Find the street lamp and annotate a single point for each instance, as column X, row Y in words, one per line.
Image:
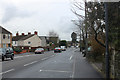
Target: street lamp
column 106, row 43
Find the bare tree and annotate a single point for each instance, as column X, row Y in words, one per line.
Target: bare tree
column 94, row 18
column 78, row 8
column 52, row 33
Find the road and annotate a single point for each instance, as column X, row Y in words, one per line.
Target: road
column 68, row 64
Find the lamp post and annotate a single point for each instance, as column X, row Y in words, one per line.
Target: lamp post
column 107, row 67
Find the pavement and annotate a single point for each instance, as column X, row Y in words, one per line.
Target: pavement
column 67, row 64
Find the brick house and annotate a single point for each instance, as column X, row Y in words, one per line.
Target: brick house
column 5, row 38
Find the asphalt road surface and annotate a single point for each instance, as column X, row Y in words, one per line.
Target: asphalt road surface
column 68, row 64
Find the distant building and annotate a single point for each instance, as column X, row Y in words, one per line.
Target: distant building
column 26, row 41
column 5, row 38
column 54, row 40
column 43, row 41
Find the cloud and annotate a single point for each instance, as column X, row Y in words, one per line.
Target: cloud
column 40, row 15
column 11, row 11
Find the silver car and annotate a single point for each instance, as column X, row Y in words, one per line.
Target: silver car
column 6, row 53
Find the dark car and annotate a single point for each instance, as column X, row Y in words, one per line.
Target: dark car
column 57, row 50
column 39, row 51
column 6, row 53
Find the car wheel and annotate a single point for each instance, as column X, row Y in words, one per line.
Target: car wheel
column 12, row 57
column 3, row 58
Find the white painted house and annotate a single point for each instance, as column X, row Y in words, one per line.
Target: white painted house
column 30, row 40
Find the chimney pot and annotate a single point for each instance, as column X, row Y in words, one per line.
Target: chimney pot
column 29, row 33
column 17, row 34
column 35, row 32
column 23, row 34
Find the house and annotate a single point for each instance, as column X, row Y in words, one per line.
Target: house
column 26, row 41
column 5, row 38
column 43, row 41
column 54, row 40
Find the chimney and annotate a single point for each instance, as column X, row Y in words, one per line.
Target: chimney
column 23, row 34
column 35, row 32
column 29, row 33
column 17, row 34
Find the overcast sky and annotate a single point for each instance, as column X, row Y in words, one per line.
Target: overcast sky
column 40, row 15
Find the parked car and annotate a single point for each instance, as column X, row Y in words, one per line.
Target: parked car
column 6, row 53
column 57, row 50
column 39, row 51
column 63, row 48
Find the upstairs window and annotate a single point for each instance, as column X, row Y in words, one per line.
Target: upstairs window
column 29, row 42
column 8, row 36
column 3, row 36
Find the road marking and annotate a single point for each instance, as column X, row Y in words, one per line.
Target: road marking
column 30, row 63
column 24, row 56
column 40, row 70
column 55, row 71
column 7, row 71
column 73, row 68
column 71, row 57
column 45, row 58
column 18, row 56
column 27, row 55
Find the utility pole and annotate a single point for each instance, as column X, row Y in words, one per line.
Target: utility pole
column 106, row 42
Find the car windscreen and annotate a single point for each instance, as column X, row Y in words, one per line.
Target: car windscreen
column 57, row 48
column 39, row 49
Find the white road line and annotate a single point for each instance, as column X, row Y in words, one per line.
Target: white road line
column 73, row 69
column 7, row 71
column 45, row 58
column 27, row 55
column 71, row 57
column 55, row 71
column 30, row 63
column 23, row 56
column 18, row 56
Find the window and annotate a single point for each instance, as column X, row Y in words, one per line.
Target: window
column 3, row 36
column 15, row 42
column 8, row 36
column 9, row 45
column 29, row 42
column 4, row 45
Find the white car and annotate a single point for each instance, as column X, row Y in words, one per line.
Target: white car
column 63, row 48
column 39, row 51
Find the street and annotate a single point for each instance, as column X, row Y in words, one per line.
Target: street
column 68, row 64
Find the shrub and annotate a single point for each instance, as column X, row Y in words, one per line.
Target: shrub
column 97, row 53
column 18, row 50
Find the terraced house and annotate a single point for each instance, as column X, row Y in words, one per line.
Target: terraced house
column 26, row 41
column 5, row 38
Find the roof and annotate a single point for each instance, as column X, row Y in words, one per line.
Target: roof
column 28, row 36
column 22, row 37
column 42, row 37
column 4, row 30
